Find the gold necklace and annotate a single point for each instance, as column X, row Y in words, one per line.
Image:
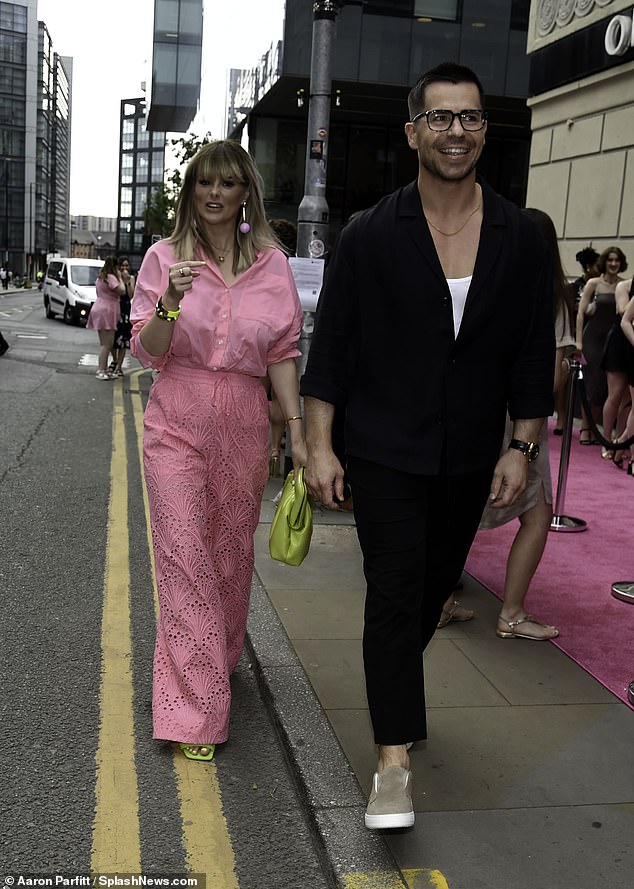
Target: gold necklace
column 222, row 256
column 458, row 230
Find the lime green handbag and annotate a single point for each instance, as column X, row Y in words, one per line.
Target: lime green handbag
column 292, row 525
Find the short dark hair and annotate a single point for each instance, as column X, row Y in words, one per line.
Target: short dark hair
column 587, row 257
column 604, row 258
column 446, row 72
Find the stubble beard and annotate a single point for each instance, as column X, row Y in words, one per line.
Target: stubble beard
column 430, row 163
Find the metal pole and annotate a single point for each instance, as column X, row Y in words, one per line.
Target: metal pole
column 313, row 213
column 561, row 522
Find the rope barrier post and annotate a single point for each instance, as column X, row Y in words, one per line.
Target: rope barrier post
column 561, row 522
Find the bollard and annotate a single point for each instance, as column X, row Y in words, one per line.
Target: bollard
column 561, row 522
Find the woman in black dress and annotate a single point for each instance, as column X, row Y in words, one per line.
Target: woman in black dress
column 595, row 319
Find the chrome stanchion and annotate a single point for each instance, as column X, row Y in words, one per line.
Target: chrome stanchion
column 561, row 522
column 623, row 590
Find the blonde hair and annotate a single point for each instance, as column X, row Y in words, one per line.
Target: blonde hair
column 222, row 159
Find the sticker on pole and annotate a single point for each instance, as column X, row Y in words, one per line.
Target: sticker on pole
column 316, row 248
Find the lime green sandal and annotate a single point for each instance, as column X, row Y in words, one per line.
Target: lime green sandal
column 188, row 751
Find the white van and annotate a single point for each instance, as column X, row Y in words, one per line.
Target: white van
column 69, row 288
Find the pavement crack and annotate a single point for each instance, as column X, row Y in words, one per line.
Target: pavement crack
column 18, row 460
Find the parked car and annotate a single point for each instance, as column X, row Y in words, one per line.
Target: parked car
column 69, row 288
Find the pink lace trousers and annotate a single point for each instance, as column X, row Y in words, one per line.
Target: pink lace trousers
column 205, row 459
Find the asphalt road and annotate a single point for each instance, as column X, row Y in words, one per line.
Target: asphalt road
column 84, row 788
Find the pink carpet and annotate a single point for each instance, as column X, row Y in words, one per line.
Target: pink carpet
column 571, row 588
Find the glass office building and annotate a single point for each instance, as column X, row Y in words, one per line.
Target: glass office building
column 35, row 115
column 176, row 61
column 141, row 169
column 380, row 51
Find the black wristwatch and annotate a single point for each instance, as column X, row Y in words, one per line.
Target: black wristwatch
column 530, row 449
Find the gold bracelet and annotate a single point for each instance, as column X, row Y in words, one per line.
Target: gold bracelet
column 288, row 419
column 165, row 314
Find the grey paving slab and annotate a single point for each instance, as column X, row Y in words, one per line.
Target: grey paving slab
column 332, row 613
column 532, row 672
column 584, row 847
column 509, row 757
column 335, row 670
column 452, row 679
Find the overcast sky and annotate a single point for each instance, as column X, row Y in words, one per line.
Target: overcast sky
column 111, row 46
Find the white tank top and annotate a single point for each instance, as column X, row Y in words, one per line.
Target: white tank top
column 459, row 288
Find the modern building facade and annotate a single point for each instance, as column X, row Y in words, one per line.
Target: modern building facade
column 35, row 116
column 582, row 103
column 176, row 63
column 141, row 170
column 380, row 50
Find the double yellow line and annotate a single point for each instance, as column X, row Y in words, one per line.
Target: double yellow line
column 116, row 844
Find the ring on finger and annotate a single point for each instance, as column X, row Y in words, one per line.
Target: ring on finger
column 181, row 272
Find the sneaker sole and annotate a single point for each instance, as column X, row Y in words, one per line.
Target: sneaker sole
column 387, row 822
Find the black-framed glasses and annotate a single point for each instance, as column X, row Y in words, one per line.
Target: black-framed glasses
column 440, row 119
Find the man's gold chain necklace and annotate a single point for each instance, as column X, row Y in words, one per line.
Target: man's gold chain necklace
column 458, row 230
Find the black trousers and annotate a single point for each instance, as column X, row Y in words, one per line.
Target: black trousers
column 415, row 533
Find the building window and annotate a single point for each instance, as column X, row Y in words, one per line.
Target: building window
column 141, row 166
column 158, row 166
column 13, row 17
column 12, row 49
column 140, row 200
column 445, row 10
column 389, row 7
column 12, row 80
column 127, row 168
column 428, row 10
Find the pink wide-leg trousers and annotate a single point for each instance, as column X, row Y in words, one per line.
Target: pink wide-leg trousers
column 205, row 459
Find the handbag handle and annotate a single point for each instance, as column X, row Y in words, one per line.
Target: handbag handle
column 296, row 516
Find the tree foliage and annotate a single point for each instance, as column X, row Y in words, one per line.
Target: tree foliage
column 159, row 211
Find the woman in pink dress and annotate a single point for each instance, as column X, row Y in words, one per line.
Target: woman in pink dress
column 215, row 309
column 105, row 312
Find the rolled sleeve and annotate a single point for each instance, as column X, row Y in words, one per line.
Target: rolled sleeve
column 151, row 284
column 286, row 346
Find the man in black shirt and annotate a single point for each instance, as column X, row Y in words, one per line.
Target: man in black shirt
column 435, row 318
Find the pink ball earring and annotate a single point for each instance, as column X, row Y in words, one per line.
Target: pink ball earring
column 245, row 228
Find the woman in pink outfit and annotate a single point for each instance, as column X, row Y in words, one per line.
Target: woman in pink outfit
column 215, row 309
column 105, row 312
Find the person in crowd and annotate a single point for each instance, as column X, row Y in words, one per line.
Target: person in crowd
column 616, row 363
column 124, row 327
column 105, row 312
column 4, row 278
column 625, row 291
column 215, row 310
column 534, row 507
column 427, row 350
column 595, row 317
column 286, row 234
column 587, row 259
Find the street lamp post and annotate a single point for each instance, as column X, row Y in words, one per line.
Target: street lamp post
column 313, row 213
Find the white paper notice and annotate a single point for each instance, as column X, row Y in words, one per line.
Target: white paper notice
column 308, row 275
